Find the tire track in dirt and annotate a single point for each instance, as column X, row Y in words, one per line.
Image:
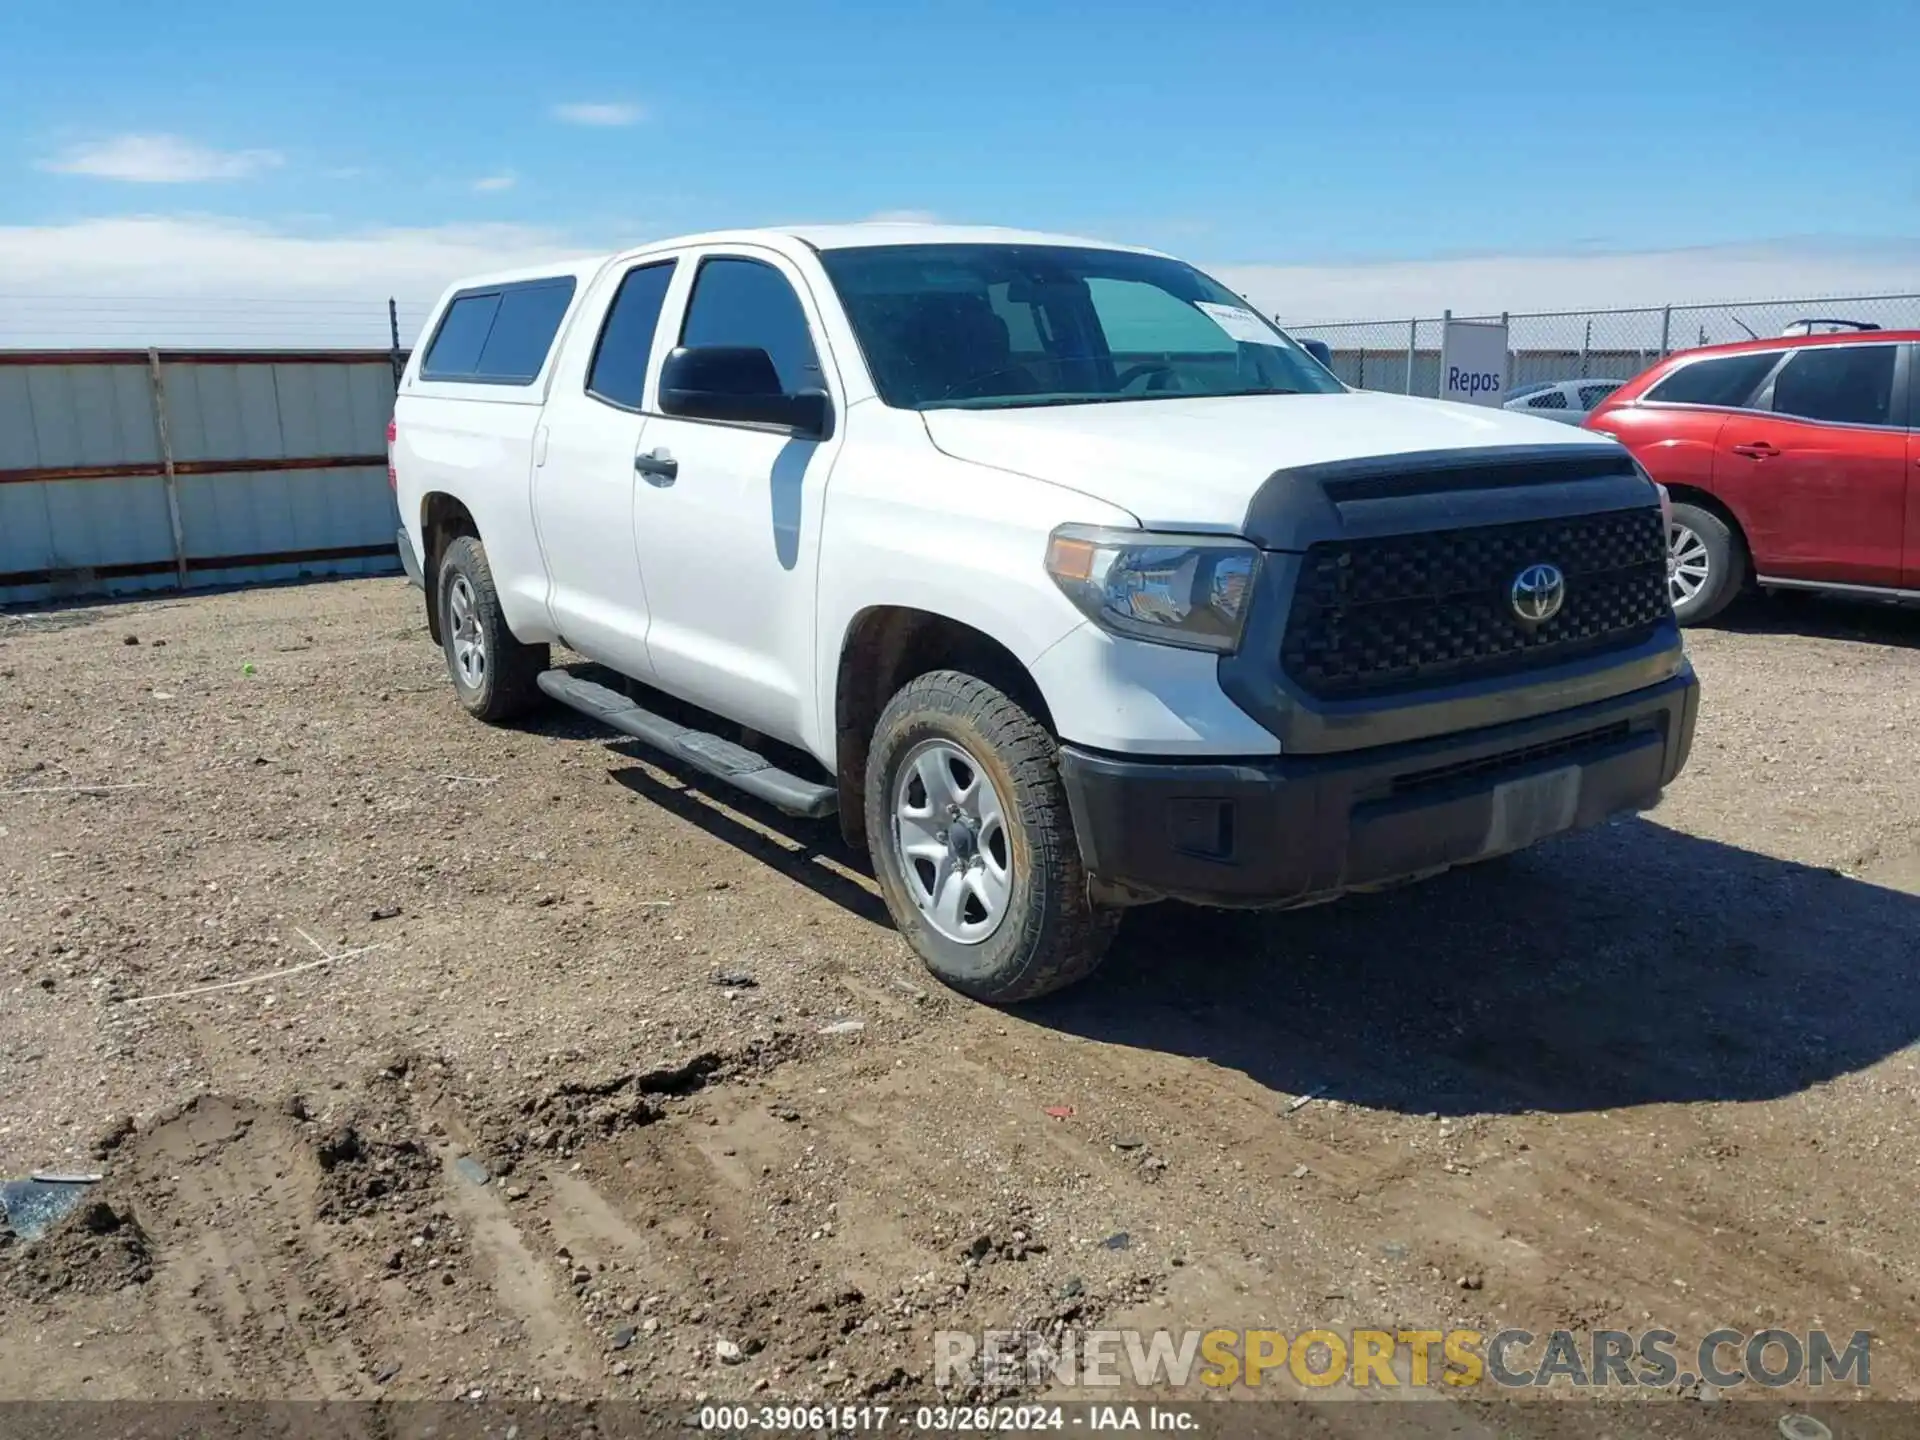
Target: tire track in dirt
column 513, row 1278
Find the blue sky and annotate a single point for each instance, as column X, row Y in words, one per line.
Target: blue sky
column 1310, row 138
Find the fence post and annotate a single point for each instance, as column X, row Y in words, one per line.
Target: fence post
column 1586, row 344
column 393, row 330
column 172, row 481
column 1666, row 329
column 1413, row 347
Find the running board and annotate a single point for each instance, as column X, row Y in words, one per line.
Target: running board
column 706, row 752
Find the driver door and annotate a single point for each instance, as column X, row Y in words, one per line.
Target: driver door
column 727, row 514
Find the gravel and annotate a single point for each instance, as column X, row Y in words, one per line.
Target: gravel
column 1679, row 1047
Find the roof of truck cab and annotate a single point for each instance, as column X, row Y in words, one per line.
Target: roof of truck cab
column 890, row 232
column 821, row 237
column 876, row 233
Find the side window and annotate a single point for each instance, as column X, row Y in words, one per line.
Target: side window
column 523, row 332
column 499, row 337
column 619, row 370
column 1844, row 384
column 455, row 350
column 1592, row 395
column 1728, row 381
column 1548, row 400
column 747, row 302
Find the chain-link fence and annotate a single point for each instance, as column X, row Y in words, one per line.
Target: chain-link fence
column 1397, row 355
column 1403, row 356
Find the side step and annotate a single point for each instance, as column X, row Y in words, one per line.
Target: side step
column 706, row 752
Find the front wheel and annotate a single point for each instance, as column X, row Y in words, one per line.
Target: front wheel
column 1706, row 564
column 973, row 843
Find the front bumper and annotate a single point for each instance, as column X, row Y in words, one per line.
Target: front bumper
column 1297, row 828
column 410, row 560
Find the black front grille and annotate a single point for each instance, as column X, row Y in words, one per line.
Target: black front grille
column 1490, row 766
column 1374, row 616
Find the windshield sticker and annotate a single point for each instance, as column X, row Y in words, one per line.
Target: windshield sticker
column 1243, row 325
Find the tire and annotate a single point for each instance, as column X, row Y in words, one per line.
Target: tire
column 495, row 676
column 1049, row 933
column 1699, row 538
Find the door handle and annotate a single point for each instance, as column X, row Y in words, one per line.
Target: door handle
column 657, row 466
column 1758, row 450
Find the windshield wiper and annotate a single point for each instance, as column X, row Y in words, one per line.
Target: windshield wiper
column 1044, row 402
column 1017, row 402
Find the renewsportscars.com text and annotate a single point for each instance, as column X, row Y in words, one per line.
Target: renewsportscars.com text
column 1415, row 1359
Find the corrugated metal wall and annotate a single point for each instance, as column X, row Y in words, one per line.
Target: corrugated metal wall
column 139, row 470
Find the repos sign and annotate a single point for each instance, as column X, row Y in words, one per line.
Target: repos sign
column 1473, row 361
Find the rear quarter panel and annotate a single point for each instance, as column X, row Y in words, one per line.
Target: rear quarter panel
column 475, row 442
column 481, row 453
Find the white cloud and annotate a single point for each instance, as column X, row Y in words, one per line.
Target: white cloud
column 159, row 160
column 1489, row 284
column 217, row 281
column 489, row 183
column 903, row 217
column 603, row 113
column 315, row 286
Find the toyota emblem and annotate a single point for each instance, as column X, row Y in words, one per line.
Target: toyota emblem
column 1537, row 594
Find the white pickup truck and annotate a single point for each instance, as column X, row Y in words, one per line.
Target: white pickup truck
column 1061, row 577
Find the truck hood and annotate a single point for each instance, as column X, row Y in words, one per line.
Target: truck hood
column 1195, row 464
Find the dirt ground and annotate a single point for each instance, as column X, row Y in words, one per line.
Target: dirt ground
column 1657, row 1074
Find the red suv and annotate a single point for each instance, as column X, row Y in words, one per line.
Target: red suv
column 1793, row 462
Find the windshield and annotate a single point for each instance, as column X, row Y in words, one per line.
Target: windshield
column 983, row 326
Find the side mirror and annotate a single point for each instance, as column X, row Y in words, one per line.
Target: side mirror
column 1319, row 350
column 738, row 383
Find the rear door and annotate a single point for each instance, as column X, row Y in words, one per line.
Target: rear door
column 584, row 481
column 1818, row 469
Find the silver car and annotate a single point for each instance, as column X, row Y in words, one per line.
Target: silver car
column 1568, row 400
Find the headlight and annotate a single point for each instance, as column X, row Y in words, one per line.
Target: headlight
column 1190, row 590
